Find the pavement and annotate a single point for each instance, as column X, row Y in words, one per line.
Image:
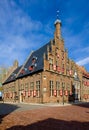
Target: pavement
column 6, row 108
column 49, row 116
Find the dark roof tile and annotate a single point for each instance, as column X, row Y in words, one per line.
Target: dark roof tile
column 13, row 75
column 34, row 63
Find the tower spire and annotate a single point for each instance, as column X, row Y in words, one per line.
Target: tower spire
column 57, row 24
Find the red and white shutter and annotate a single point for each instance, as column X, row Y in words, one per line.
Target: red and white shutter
column 62, row 70
column 88, row 83
column 58, row 56
column 55, row 92
column 11, row 94
column 58, row 69
column 22, row 71
column 54, row 67
column 24, row 93
column 70, row 92
column 85, row 96
column 34, row 93
column 70, row 72
column 66, row 92
column 30, row 68
column 85, row 83
column 29, row 93
column 88, row 96
column 61, row 93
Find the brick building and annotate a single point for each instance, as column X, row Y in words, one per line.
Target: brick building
column 48, row 75
column 5, row 73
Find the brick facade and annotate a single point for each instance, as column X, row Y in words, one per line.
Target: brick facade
column 60, row 80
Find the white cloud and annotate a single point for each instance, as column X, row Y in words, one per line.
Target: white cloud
column 16, row 33
column 19, row 34
column 83, row 61
column 77, row 43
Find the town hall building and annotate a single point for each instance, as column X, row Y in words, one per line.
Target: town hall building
column 48, row 75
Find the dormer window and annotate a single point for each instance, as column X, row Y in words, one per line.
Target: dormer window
column 34, row 58
column 13, row 74
column 31, row 68
column 25, row 69
column 22, row 71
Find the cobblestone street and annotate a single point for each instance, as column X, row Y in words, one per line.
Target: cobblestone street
column 43, row 117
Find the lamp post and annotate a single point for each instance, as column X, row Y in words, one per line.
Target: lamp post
column 63, row 86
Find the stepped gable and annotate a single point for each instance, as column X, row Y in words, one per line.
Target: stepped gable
column 13, row 75
column 34, row 63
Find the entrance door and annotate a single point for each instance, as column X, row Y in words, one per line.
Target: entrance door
column 76, row 91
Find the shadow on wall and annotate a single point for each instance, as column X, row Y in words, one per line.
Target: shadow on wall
column 5, row 109
column 53, row 124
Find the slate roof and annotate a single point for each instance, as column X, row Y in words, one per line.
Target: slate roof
column 35, row 61
column 13, row 75
column 33, row 64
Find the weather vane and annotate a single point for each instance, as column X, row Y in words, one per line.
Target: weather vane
column 57, row 14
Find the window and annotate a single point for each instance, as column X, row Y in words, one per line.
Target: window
column 56, row 51
column 50, row 61
column 63, row 68
column 37, row 85
column 33, row 60
column 31, row 88
column 26, row 89
column 22, row 87
column 68, row 87
column 37, row 88
column 57, row 63
column 31, row 68
column 62, row 55
column 13, row 88
column 50, row 67
column 57, row 87
column 67, row 67
column 63, row 86
column 51, row 88
column 50, row 64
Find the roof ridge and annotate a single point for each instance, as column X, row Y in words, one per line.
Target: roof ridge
column 41, row 49
column 12, row 74
column 42, row 46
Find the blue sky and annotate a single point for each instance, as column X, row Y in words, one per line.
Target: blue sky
column 26, row 25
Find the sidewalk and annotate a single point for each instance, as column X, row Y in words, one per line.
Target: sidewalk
column 47, row 104
column 56, row 104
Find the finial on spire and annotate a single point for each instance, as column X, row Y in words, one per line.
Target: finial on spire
column 57, row 24
column 57, row 14
column 57, row 20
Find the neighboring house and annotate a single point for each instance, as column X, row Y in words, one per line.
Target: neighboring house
column 5, row 73
column 48, row 75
